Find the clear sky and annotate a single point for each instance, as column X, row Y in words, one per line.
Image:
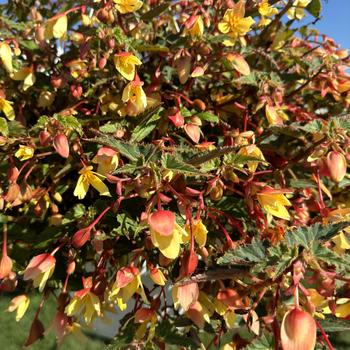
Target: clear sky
column 335, row 21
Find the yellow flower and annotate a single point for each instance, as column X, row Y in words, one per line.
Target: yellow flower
column 199, row 231
column 88, row 177
column 197, row 28
column 6, row 107
column 297, row 10
column 84, row 301
column 26, row 74
column 275, row 115
column 128, row 282
column 125, row 63
column 235, row 24
column 40, row 269
column 19, row 303
column 107, row 160
column 265, row 9
column 341, row 241
column 157, row 276
column 56, row 28
column 78, row 68
column 134, row 97
column 253, row 151
column 24, row 152
column 169, row 245
column 127, row 6
column 274, row 202
column 6, row 56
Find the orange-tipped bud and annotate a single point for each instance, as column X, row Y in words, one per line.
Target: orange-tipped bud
column 298, row 330
column 336, row 164
column 60, row 142
column 81, row 237
column 5, row 266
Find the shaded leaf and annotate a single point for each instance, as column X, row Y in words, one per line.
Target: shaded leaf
column 173, row 163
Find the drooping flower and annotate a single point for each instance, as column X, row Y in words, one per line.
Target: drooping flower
column 40, row 269
column 195, row 27
column 56, row 28
column 297, row 9
column 107, row 160
column 127, row 283
column 274, row 202
column 336, row 165
column 84, row 302
column 125, row 63
column 127, row 6
column 298, row 330
column 275, row 115
column 166, row 234
column 134, row 97
column 239, row 63
column 25, row 74
column 199, row 231
column 235, row 24
column 88, row 177
column 24, row 152
column 6, row 108
column 185, row 295
column 157, row 276
column 19, row 303
column 252, row 151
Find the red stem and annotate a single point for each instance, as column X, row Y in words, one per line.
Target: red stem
column 4, row 243
column 324, row 336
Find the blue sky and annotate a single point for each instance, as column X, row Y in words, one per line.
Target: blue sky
column 335, row 21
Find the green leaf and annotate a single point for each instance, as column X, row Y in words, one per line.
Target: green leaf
column 132, row 152
column 144, row 129
column 265, row 342
column 333, row 324
column 251, row 253
column 209, row 117
column 240, row 159
column 4, row 129
column 305, row 236
column 155, row 11
column 70, row 122
column 173, row 163
column 302, row 183
column 314, row 8
column 216, row 153
column 341, row 262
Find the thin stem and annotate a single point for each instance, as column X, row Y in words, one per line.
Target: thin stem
column 324, row 336
column 4, row 243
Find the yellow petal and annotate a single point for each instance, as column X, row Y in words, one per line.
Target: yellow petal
column 230, row 319
column 82, row 187
column 343, row 310
column 41, row 279
column 60, row 27
column 73, row 308
column 98, row 185
column 6, row 107
column 6, row 56
column 168, row 245
column 22, row 308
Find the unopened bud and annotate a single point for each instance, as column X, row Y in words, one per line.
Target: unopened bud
column 298, row 330
column 336, row 164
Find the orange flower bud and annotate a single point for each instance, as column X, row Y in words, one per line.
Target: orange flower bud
column 61, row 145
column 298, row 330
column 5, row 266
column 336, row 164
column 81, row 237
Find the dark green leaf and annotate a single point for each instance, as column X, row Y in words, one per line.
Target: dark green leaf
column 144, row 129
column 173, row 163
column 155, row 11
column 265, row 342
column 314, row 8
column 250, row 253
column 331, row 325
column 209, row 117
